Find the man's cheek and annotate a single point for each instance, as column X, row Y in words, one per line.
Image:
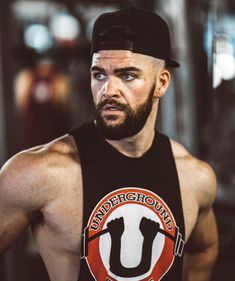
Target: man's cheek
column 96, row 94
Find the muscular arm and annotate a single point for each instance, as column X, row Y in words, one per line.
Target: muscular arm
column 202, row 246
column 45, row 181
column 20, row 199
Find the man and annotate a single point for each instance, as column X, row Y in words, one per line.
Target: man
column 137, row 197
column 42, row 97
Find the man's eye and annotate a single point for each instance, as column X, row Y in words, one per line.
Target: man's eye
column 99, row 76
column 127, row 76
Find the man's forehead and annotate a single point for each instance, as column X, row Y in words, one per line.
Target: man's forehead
column 120, row 57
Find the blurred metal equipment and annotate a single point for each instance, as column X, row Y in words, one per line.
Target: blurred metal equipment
column 6, row 99
column 222, row 151
column 3, row 140
column 183, row 114
column 8, row 130
column 3, row 153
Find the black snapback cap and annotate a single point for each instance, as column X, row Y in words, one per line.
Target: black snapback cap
column 133, row 29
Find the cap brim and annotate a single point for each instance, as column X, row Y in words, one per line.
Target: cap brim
column 172, row 63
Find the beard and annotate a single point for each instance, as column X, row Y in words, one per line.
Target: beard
column 132, row 122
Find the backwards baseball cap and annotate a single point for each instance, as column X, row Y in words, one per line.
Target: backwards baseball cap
column 135, row 30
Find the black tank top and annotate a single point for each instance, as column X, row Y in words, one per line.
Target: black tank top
column 133, row 226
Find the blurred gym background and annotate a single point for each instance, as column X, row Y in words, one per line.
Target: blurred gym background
column 45, row 92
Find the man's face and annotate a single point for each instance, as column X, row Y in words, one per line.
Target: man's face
column 123, row 86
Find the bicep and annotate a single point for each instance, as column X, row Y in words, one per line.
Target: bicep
column 202, row 245
column 204, row 235
column 15, row 206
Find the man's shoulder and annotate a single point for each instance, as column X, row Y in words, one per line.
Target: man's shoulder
column 184, row 159
column 56, row 153
column 41, row 169
column 195, row 175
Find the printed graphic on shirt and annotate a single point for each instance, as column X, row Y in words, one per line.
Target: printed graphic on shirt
column 131, row 236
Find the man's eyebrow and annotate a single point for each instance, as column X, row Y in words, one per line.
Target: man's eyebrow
column 124, row 69
column 118, row 70
column 97, row 68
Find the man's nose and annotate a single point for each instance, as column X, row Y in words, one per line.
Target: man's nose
column 111, row 87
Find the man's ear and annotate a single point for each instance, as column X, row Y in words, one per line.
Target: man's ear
column 162, row 82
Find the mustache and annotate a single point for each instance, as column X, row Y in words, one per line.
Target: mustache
column 111, row 102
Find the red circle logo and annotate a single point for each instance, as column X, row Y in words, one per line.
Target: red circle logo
column 130, row 236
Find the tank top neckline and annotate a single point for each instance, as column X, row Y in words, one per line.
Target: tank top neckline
column 111, row 149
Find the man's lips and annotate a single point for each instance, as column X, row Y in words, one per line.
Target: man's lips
column 112, row 107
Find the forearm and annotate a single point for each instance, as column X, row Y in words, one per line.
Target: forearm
column 198, row 266
column 9, row 235
column 12, row 225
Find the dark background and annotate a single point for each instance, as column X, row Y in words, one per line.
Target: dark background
column 197, row 111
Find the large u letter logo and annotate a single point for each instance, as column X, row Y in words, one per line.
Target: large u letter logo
column 149, row 230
